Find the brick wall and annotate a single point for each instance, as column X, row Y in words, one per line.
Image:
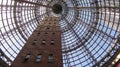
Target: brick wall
column 45, row 40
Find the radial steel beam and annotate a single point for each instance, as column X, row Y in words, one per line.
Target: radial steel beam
column 107, row 16
column 3, row 55
column 109, row 56
column 39, row 4
column 91, row 7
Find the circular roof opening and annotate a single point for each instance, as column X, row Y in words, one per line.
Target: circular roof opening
column 57, row 9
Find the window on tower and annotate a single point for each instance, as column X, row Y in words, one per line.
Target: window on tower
column 43, row 42
column 34, row 42
column 50, row 58
column 53, row 33
column 27, row 57
column 46, row 32
column 48, row 28
column 38, row 58
column 39, row 33
column 52, row 42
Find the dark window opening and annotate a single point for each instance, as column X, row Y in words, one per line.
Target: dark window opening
column 48, row 28
column 52, row 42
column 38, row 58
column 46, row 32
column 50, row 58
column 43, row 42
column 34, row 42
column 27, row 57
column 38, row 33
column 53, row 33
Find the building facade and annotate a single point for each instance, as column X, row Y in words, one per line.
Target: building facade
column 43, row 48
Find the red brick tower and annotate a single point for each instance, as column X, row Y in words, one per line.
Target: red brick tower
column 43, row 48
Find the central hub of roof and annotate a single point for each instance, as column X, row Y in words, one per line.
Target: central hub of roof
column 57, row 8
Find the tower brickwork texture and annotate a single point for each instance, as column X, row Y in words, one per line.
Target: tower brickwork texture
column 43, row 48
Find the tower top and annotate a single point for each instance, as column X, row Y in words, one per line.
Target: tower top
column 51, row 18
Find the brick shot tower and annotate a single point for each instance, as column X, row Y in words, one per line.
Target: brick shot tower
column 43, row 48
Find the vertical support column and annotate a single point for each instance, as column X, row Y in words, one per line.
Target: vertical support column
column 43, row 48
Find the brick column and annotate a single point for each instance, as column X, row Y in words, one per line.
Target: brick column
column 43, row 48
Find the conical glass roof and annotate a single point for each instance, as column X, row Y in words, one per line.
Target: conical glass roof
column 90, row 28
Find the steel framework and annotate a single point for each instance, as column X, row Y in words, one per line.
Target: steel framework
column 90, row 29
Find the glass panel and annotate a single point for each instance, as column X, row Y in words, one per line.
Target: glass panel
column 50, row 58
